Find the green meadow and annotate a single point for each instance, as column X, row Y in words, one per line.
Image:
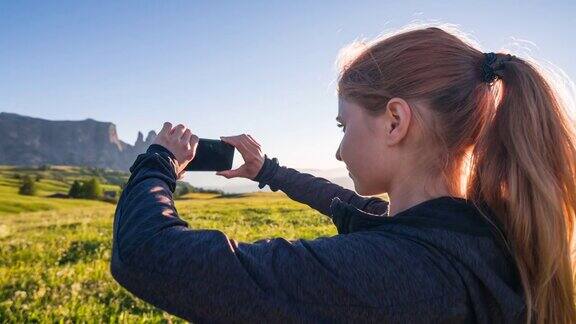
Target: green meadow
column 54, row 252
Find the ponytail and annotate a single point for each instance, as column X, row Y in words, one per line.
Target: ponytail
column 524, row 167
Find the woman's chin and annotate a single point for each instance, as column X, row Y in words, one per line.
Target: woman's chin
column 362, row 191
column 357, row 187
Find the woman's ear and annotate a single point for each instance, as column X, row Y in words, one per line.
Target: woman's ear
column 397, row 119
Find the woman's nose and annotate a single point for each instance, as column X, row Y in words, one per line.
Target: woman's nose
column 338, row 157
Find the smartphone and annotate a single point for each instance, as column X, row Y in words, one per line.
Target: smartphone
column 212, row 155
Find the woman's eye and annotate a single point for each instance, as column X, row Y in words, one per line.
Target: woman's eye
column 341, row 126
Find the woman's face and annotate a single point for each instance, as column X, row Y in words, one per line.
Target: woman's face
column 371, row 146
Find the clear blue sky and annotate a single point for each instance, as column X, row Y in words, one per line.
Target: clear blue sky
column 264, row 68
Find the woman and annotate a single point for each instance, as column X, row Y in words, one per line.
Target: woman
column 478, row 156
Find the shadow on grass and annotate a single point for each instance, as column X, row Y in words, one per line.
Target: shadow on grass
column 82, row 250
column 233, row 195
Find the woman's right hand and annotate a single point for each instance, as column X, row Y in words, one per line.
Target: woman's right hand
column 251, row 153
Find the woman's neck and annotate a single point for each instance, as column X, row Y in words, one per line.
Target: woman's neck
column 406, row 196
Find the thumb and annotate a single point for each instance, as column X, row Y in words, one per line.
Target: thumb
column 228, row 173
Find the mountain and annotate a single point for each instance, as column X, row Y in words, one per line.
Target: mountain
column 34, row 141
column 250, row 186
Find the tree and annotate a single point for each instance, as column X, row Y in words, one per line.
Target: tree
column 28, row 186
column 75, row 189
column 44, row 167
column 182, row 188
column 92, row 189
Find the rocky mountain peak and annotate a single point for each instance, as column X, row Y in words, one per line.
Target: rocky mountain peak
column 28, row 140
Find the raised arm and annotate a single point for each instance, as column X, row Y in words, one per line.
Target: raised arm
column 203, row 276
column 313, row 191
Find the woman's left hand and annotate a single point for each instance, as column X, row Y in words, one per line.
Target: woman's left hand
column 181, row 142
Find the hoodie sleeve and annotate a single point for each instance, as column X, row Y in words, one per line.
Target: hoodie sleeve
column 313, row 191
column 196, row 274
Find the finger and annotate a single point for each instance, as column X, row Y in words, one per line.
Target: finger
column 165, row 128
column 250, row 145
column 241, row 142
column 250, row 142
column 246, row 148
column 178, row 131
column 186, row 136
column 243, row 148
column 194, row 140
column 253, row 140
column 228, row 173
column 230, row 139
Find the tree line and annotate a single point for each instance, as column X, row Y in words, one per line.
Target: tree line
column 92, row 188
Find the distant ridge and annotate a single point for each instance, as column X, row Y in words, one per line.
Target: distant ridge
column 31, row 141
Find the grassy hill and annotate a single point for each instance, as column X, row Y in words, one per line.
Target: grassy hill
column 54, row 253
column 54, row 179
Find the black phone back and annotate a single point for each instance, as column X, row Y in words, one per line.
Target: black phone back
column 212, row 155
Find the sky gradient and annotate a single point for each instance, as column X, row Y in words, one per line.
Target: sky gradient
column 263, row 68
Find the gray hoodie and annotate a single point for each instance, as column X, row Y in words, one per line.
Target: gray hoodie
column 439, row 261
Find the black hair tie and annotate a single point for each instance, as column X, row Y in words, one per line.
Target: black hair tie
column 492, row 66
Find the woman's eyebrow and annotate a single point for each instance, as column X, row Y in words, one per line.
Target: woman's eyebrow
column 337, row 118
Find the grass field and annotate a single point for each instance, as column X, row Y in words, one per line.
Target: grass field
column 57, row 179
column 54, row 253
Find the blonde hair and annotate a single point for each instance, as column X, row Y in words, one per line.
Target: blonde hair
column 510, row 145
